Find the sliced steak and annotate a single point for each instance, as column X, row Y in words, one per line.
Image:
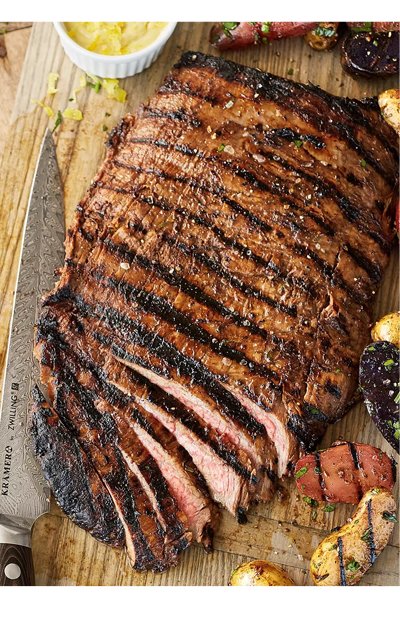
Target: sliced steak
column 137, row 436
column 227, row 252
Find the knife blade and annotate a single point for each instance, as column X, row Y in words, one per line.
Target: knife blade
column 24, row 495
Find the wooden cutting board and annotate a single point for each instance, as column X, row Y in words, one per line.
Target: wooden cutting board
column 286, row 531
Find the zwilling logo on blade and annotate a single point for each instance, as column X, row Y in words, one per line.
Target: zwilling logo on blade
column 8, row 449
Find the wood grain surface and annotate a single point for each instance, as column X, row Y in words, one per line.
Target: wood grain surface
column 286, row 531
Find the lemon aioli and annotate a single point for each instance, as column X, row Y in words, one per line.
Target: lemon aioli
column 114, row 38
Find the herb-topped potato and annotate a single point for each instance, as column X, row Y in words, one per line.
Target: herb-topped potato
column 387, row 329
column 342, row 558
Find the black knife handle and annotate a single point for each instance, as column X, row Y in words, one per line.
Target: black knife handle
column 16, row 564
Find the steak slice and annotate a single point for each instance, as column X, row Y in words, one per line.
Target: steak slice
column 227, row 252
column 77, row 487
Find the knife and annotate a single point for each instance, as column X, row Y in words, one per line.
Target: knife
column 24, row 495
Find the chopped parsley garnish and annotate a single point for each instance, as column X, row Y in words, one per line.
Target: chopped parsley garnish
column 228, row 27
column 375, row 491
column 397, row 398
column 329, row 508
column 265, row 27
column 290, row 71
column 301, row 472
column 366, row 536
column 298, row 143
column 58, row 121
column 107, row 115
column 389, row 516
column 366, row 26
column 221, row 148
column 310, row 501
column 389, row 364
column 352, row 566
column 363, row 163
column 96, row 86
column 105, row 127
column 324, row 32
column 371, row 348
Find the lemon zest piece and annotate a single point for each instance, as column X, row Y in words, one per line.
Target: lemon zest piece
column 72, row 114
column 46, row 108
column 52, row 83
column 113, row 90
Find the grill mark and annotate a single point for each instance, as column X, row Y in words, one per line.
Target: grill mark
column 355, row 114
column 279, row 91
column 354, row 455
column 289, row 134
column 329, row 272
column 371, row 536
column 234, row 281
column 244, row 250
column 332, row 389
column 326, row 190
column 342, row 570
column 162, row 308
column 179, row 115
column 156, row 344
column 238, row 208
column 318, row 471
column 198, row 294
column 227, row 455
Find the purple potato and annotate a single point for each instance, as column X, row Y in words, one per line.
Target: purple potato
column 379, row 382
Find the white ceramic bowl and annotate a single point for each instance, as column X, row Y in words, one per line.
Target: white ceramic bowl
column 113, row 66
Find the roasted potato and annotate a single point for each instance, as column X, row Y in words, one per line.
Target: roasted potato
column 343, row 557
column 259, row 573
column 379, row 383
column 343, row 472
column 387, row 329
column 389, row 102
column 323, row 37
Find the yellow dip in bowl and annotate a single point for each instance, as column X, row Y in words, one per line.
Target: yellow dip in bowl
column 114, row 38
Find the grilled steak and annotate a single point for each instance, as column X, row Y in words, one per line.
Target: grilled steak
column 215, row 297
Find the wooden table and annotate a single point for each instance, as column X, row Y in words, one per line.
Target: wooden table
column 285, row 531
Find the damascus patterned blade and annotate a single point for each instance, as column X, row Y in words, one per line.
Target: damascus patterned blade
column 23, row 492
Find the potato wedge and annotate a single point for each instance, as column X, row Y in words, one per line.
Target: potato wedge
column 387, row 329
column 389, row 103
column 343, row 557
column 259, row 573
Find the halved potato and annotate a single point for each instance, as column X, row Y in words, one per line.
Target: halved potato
column 387, row 329
column 342, row 558
column 259, row 573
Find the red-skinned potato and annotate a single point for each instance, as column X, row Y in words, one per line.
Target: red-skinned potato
column 259, row 573
column 236, row 35
column 343, row 472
